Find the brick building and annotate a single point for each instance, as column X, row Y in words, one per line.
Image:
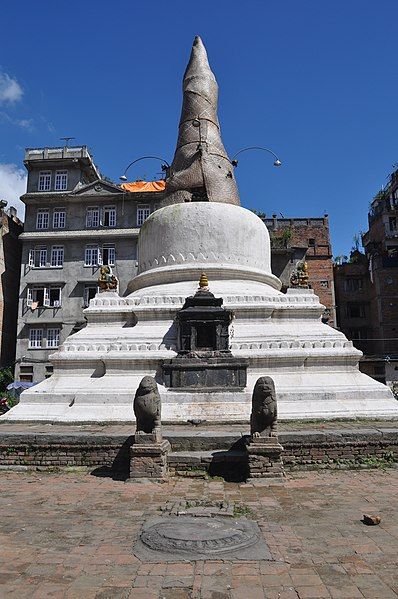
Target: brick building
column 10, row 264
column 354, row 294
column 367, row 289
column 296, row 239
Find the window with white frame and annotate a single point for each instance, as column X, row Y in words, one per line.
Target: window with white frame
column 92, row 255
column 35, row 338
column 92, row 217
column 42, row 218
column 109, row 216
column 53, row 337
column 61, row 180
column 38, row 257
column 44, row 181
column 142, row 214
column 108, row 254
column 57, row 256
column 89, row 294
column 41, row 296
column 59, row 218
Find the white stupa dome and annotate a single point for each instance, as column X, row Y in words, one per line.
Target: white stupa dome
column 178, row 242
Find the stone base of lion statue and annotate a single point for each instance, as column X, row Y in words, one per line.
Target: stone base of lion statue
column 148, row 454
column 264, row 458
column 148, row 459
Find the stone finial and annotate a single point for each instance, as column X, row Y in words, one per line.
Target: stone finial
column 107, row 280
column 203, row 282
column 201, row 169
column 264, row 409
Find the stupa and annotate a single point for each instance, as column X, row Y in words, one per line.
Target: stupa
column 202, row 228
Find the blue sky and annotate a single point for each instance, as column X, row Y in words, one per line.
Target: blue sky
column 314, row 80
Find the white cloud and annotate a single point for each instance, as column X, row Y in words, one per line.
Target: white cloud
column 10, row 90
column 12, row 186
column 26, row 124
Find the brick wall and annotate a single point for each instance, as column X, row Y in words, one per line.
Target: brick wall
column 295, row 239
column 303, row 450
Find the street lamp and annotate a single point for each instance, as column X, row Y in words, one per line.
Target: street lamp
column 234, row 162
column 165, row 165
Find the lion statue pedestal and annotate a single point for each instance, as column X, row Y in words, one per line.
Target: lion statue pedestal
column 263, row 449
column 148, row 454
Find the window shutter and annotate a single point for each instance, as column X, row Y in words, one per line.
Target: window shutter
column 29, row 297
column 99, row 257
column 31, row 260
column 46, row 301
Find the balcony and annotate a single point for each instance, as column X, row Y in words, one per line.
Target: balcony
column 56, row 153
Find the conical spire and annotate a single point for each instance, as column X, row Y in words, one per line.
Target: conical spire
column 201, row 170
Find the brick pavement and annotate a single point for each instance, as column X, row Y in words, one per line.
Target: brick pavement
column 71, row 535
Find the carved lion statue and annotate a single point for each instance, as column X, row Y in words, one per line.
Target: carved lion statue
column 264, row 412
column 147, row 406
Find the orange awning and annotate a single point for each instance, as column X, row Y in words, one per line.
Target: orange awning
column 142, row 186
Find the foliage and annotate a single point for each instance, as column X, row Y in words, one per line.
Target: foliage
column 6, row 377
column 281, row 240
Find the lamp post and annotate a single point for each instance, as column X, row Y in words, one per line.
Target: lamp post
column 165, row 165
column 277, row 162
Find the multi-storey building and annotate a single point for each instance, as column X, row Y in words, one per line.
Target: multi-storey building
column 367, row 289
column 10, row 266
column 75, row 222
column 353, row 301
column 294, row 240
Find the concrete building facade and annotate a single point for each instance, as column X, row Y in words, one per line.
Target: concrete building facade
column 10, row 265
column 75, row 222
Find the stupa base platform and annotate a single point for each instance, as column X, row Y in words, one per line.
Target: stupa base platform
column 305, row 396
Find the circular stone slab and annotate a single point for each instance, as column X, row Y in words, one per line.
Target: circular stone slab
column 189, row 535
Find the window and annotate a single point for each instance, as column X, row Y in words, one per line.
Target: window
column 91, row 255
column 108, row 255
column 42, row 219
column 59, row 218
column 311, row 242
column 356, row 310
column 324, row 284
column 38, row 257
column 57, row 256
column 89, row 294
column 53, row 337
column 109, row 218
column 353, row 285
column 392, row 223
column 49, row 297
column 35, row 338
column 61, row 180
column 92, row 217
column 44, row 181
column 26, row 374
column 142, row 214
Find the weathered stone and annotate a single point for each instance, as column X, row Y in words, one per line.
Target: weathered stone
column 173, row 538
column 147, row 407
column 264, row 409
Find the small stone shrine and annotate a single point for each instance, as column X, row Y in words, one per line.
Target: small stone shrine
column 204, row 360
column 263, row 449
column 148, row 454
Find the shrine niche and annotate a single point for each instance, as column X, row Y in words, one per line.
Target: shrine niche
column 204, row 359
